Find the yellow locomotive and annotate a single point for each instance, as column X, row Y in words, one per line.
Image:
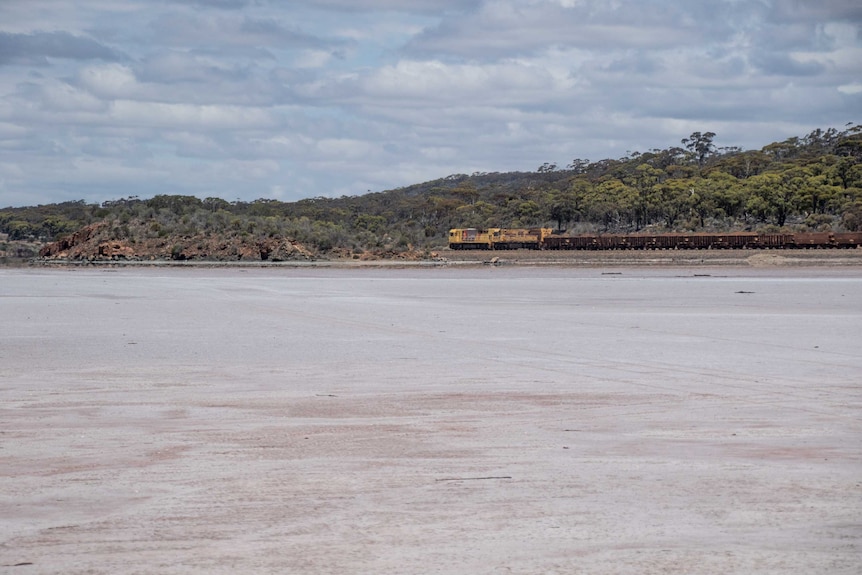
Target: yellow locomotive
column 472, row 238
column 498, row 238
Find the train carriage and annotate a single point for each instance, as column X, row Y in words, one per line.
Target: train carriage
column 544, row 238
column 774, row 241
column 847, row 239
column 736, row 241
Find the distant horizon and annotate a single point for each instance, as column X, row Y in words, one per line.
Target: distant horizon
column 246, row 100
column 474, row 174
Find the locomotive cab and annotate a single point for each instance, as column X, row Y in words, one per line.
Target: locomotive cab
column 472, row 238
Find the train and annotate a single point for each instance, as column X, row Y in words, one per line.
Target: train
column 549, row 239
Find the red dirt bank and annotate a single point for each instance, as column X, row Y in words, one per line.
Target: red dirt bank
column 96, row 243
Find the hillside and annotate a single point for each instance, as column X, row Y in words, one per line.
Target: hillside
column 805, row 183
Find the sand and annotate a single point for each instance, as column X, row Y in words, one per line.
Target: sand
column 487, row 420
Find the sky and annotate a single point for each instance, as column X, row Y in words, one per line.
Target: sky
column 249, row 99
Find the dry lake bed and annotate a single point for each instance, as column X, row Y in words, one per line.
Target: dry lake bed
column 481, row 420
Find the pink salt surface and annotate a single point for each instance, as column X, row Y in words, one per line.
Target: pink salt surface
column 492, row 420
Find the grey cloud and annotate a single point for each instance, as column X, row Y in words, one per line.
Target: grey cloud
column 274, row 33
column 338, row 95
column 35, row 49
column 191, row 78
column 180, row 29
column 636, row 64
column 781, row 64
column 223, row 4
column 812, row 36
column 702, row 105
column 822, row 11
column 513, row 30
column 408, row 6
column 180, row 66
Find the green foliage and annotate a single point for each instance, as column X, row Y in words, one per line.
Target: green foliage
column 44, row 223
column 700, row 146
column 564, row 208
column 810, row 182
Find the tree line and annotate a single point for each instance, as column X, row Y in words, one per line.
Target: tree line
column 804, row 183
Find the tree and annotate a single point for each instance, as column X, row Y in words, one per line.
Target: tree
column 467, row 191
column 611, row 202
column 847, row 171
column 772, row 196
column 216, row 204
column 816, row 193
column 700, row 145
column 852, row 216
column 744, row 164
column 703, row 200
column 723, row 192
column 673, row 199
column 788, row 149
column 563, row 209
column 578, row 166
column 528, row 211
column 643, row 179
column 478, row 215
column 19, row 230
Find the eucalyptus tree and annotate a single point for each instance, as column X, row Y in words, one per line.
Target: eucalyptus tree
column 700, row 145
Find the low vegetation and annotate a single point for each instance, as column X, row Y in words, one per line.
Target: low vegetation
column 801, row 184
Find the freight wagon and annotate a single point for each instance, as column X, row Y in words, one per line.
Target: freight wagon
column 544, row 239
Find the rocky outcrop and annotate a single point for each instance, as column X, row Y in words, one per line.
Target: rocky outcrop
column 104, row 242
column 278, row 250
column 115, row 250
column 94, row 243
column 69, row 245
column 240, row 249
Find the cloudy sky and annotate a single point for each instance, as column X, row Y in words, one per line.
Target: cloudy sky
column 247, row 99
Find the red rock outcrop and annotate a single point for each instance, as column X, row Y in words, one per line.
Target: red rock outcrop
column 62, row 247
column 95, row 243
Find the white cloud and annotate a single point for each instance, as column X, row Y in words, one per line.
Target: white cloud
column 313, row 59
column 240, row 170
column 344, row 149
column 58, row 98
column 194, row 144
column 850, row 89
column 109, row 82
column 188, row 116
column 247, row 99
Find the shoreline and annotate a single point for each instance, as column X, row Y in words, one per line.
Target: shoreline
column 529, row 258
